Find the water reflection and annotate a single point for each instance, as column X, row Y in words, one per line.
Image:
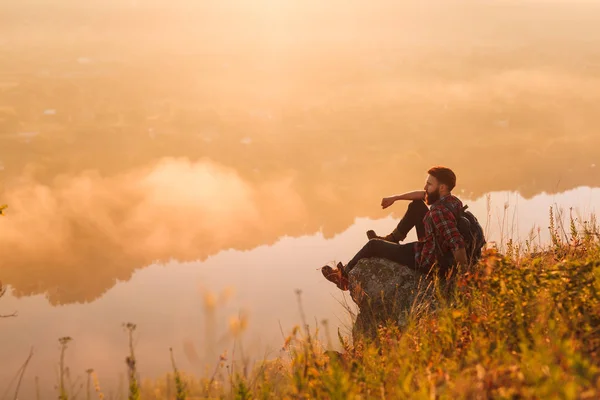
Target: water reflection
column 75, row 238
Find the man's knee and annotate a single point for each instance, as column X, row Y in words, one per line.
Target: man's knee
column 373, row 246
column 372, row 243
column 418, row 205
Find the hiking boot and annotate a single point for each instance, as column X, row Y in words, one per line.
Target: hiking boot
column 388, row 238
column 336, row 276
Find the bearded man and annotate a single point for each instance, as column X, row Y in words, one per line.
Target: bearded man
column 439, row 241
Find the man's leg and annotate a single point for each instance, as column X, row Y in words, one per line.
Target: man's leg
column 412, row 218
column 400, row 253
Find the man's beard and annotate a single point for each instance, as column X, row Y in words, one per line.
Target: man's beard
column 431, row 198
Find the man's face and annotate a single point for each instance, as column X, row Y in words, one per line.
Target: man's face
column 432, row 190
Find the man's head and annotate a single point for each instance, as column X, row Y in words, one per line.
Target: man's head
column 440, row 182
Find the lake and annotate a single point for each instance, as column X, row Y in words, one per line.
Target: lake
column 187, row 168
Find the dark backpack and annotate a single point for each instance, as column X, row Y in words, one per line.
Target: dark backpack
column 472, row 233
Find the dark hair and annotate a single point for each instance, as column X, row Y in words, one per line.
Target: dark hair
column 444, row 175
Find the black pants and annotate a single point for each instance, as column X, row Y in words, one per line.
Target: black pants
column 401, row 253
column 412, row 218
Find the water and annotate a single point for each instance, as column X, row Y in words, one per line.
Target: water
column 196, row 164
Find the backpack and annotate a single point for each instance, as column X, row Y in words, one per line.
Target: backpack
column 472, row 232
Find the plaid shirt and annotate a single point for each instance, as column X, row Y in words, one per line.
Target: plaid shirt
column 440, row 223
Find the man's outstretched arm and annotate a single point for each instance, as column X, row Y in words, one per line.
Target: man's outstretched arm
column 416, row 195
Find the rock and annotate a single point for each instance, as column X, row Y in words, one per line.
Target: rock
column 384, row 290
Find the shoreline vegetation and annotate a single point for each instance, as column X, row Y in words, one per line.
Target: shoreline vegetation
column 523, row 324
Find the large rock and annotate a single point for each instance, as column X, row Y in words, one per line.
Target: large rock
column 384, row 290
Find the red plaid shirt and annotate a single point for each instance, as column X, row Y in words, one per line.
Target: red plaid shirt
column 441, row 222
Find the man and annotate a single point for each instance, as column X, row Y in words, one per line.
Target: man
column 440, row 243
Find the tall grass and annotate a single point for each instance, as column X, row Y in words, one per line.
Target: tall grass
column 179, row 384
column 62, row 389
column 134, row 389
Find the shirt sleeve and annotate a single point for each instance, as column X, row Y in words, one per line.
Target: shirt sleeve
column 446, row 226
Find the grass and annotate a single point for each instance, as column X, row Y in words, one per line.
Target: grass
column 505, row 329
column 524, row 324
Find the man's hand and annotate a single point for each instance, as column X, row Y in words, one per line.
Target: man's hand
column 387, row 201
column 460, row 256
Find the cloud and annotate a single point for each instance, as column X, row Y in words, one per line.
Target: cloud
column 96, row 229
